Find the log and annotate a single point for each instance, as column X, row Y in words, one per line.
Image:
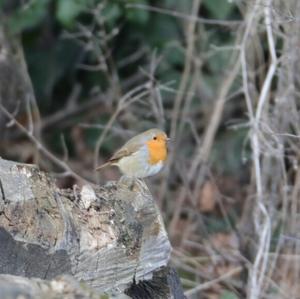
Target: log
column 89, row 240
column 64, row 287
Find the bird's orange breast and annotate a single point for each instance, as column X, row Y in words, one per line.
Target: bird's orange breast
column 157, row 151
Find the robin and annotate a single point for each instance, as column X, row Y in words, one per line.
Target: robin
column 142, row 156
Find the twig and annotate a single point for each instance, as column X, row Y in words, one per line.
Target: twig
column 115, row 130
column 211, row 283
column 64, row 147
column 190, row 36
column 67, row 112
column 190, row 18
column 263, row 229
column 123, row 103
column 42, row 148
column 186, row 71
column 29, row 115
column 210, row 132
column 204, row 150
column 271, row 72
column 258, row 274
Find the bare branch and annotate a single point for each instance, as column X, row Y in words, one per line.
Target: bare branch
column 42, row 148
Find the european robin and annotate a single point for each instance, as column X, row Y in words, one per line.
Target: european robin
column 142, row 156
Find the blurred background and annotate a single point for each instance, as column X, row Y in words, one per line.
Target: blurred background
column 78, row 78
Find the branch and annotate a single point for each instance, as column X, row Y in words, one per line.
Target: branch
column 42, row 148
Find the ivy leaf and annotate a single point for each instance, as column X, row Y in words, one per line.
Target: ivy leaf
column 138, row 16
column 68, row 10
column 219, row 9
column 111, row 13
column 28, row 16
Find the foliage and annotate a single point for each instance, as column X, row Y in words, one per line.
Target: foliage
column 53, row 60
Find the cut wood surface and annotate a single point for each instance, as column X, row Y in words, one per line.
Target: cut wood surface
column 111, row 239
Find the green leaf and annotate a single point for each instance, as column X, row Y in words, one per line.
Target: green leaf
column 136, row 15
column 161, row 31
column 111, row 13
column 175, row 57
column 219, row 9
column 229, row 150
column 49, row 66
column 228, row 295
column 219, row 61
column 68, row 10
column 28, row 16
column 2, row 2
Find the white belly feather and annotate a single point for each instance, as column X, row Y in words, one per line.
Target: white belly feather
column 137, row 165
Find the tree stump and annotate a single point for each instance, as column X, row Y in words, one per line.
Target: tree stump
column 88, row 241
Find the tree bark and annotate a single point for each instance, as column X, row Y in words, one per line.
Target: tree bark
column 111, row 239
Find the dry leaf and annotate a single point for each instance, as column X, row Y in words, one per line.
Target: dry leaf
column 208, row 197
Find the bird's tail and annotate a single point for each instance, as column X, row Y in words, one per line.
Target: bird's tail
column 103, row 165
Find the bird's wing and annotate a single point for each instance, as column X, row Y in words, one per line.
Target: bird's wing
column 124, row 151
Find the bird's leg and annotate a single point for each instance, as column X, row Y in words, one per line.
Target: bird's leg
column 127, row 181
column 140, row 183
column 132, row 182
column 137, row 183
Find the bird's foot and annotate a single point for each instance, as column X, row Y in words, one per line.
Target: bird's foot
column 132, row 183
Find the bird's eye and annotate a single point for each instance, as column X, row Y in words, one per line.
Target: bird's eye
column 154, row 138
